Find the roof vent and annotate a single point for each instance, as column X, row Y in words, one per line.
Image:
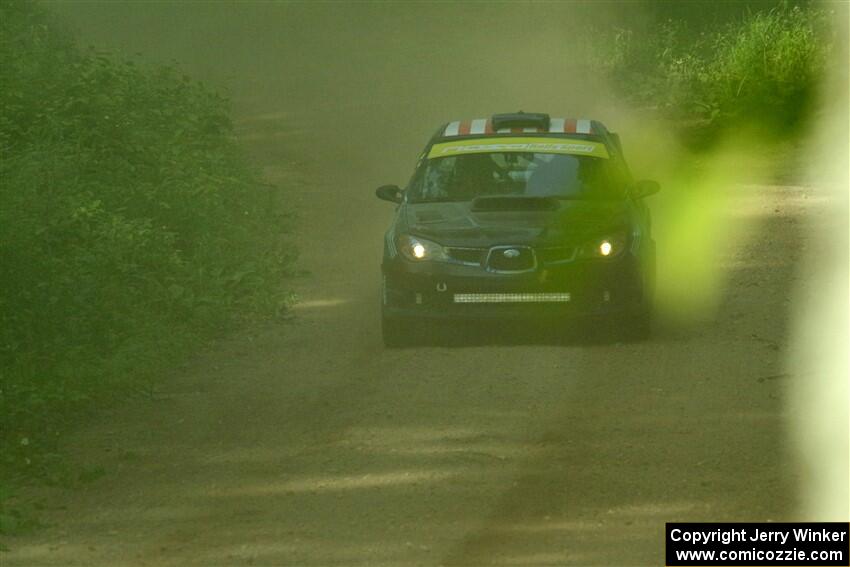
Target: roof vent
column 521, row 120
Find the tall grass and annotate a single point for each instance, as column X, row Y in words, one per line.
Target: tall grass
column 130, row 227
column 760, row 71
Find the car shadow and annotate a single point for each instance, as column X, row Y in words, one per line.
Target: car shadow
column 465, row 334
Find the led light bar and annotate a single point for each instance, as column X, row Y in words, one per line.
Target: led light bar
column 511, row 297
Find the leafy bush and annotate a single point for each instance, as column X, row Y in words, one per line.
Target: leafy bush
column 130, row 225
column 758, row 71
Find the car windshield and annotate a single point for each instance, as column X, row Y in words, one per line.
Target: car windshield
column 465, row 177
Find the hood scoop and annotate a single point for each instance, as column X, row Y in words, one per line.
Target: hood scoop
column 514, row 203
column 429, row 216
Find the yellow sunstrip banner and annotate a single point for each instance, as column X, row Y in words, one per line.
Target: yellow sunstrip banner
column 522, row 145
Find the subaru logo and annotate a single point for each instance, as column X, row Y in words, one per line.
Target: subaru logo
column 511, row 253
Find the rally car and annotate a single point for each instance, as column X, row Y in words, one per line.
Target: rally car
column 519, row 215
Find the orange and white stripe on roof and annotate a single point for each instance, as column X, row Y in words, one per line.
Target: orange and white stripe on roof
column 483, row 126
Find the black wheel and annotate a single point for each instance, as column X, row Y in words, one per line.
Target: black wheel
column 637, row 326
column 395, row 332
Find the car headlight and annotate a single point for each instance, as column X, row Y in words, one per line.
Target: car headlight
column 609, row 246
column 418, row 249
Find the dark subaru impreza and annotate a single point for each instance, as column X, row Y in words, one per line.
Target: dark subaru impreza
column 519, row 215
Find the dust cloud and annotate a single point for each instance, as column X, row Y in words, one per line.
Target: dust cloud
column 356, row 90
column 365, row 85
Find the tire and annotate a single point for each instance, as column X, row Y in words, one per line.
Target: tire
column 637, row 326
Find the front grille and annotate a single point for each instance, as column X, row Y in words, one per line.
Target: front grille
column 467, row 255
column 511, row 259
column 527, row 259
column 556, row 255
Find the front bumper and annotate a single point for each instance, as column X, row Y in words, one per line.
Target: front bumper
column 453, row 291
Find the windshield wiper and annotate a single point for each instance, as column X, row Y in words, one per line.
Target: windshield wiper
column 445, row 200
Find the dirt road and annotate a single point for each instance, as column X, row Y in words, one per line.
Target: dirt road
column 307, row 443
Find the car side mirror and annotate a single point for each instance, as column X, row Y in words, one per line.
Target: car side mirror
column 390, row 193
column 645, row 188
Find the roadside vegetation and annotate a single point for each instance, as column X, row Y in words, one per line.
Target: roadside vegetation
column 734, row 91
column 717, row 70
column 131, row 228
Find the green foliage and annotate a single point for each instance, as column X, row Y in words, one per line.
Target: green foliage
column 759, row 71
column 130, row 226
